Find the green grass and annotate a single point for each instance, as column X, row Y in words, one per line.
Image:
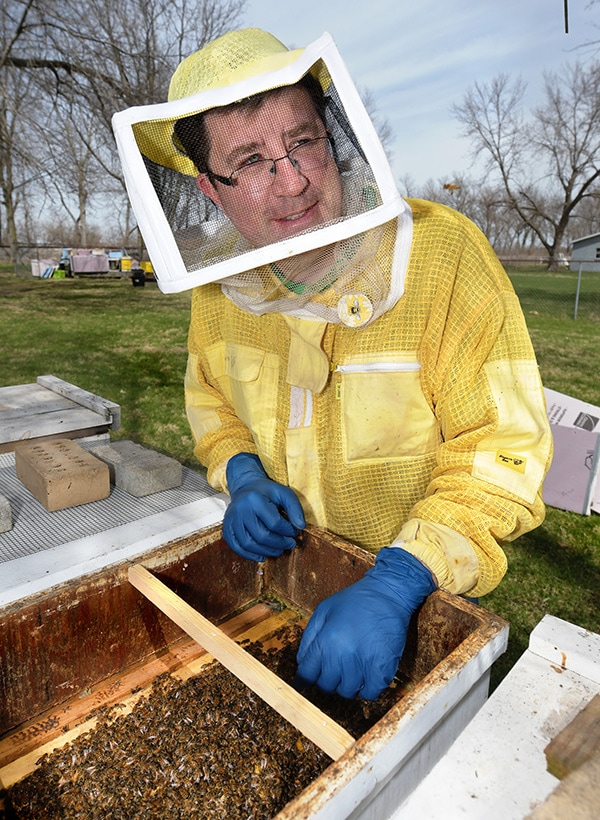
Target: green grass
column 125, row 344
column 555, row 294
column 129, row 345
column 556, row 568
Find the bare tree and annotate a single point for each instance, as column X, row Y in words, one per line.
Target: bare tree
column 382, row 125
column 593, row 42
column 74, row 173
column 547, row 164
column 20, row 165
column 91, row 58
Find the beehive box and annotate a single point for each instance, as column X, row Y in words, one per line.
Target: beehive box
column 96, row 642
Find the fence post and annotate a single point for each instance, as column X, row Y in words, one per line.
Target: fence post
column 577, row 291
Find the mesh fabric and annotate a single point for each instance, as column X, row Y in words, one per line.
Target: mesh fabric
column 185, row 183
column 228, row 59
column 458, row 318
column 205, row 236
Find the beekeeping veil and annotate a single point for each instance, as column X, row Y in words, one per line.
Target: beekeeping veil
column 348, row 268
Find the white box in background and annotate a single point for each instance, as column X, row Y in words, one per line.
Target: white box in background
column 572, row 481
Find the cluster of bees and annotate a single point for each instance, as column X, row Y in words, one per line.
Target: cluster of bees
column 207, row 747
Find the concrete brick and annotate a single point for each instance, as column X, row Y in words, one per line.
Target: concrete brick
column 5, row 514
column 138, row 470
column 61, row 473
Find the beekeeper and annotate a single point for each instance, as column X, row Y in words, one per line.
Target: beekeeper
column 356, row 360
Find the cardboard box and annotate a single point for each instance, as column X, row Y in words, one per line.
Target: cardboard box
column 572, row 481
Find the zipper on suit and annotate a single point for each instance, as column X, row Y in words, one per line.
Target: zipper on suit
column 379, row 367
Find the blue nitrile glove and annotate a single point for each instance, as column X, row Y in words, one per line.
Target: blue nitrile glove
column 263, row 518
column 354, row 640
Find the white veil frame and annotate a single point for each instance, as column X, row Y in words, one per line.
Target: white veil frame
column 170, row 270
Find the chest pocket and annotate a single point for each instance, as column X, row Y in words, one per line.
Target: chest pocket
column 384, row 414
column 248, row 377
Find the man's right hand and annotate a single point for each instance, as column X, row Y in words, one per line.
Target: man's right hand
column 263, row 518
column 354, row 640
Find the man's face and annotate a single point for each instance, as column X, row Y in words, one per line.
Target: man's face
column 291, row 199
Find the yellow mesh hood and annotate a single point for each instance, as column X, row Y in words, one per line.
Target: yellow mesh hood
column 228, row 59
column 222, row 63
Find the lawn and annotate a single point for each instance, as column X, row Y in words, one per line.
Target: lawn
column 563, row 294
column 125, row 344
column 129, row 345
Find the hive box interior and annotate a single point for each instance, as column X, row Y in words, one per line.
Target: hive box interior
column 73, row 648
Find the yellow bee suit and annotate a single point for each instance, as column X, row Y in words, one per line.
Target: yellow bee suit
column 427, row 427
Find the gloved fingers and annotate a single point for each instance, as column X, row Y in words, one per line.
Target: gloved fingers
column 261, row 516
column 305, row 650
column 287, row 500
column 374, row 686
column 255, row 545
column 353, row 642
column 309, row 663
column 329, row 678
column 352, row 675
column 332, row 672
column 358, row 676
column 315, row 657
column 250, row 555
column 329, row 657
column 344, row 675
column 270, row 514
column 274, row 540
column 314, row 669
column 380, row 672
column 237, row 538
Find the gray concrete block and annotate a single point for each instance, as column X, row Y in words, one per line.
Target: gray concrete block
column 5, row 514
column 138, row 470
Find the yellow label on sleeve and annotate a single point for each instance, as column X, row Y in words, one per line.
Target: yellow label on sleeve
column 510, row 460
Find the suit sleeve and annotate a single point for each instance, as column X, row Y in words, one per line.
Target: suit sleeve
column 483, row 380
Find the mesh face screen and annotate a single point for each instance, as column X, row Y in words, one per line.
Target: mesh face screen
column 255, row 193
column 251, row 174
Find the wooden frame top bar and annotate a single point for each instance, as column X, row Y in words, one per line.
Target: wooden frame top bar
column 290, row 704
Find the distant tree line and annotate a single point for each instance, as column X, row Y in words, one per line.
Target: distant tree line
column 540, row 186
column 67, row 65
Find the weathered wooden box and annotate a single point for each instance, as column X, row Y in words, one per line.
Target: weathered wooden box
column 67, row 651
column 52, row 408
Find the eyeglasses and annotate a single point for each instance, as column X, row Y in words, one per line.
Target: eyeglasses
column 310, row 155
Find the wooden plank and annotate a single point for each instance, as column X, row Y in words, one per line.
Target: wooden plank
column 22, row 400
column 108, row 409
column 259, row 632
column 20, row 768
column 87, row 433
column 60, row 424
column 577, row 797
column 312, row 722
column 34, row 411
column 577, row 743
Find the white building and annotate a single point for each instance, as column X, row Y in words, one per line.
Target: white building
column 585, row 253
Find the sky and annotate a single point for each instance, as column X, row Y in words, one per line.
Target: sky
column 418, row 58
